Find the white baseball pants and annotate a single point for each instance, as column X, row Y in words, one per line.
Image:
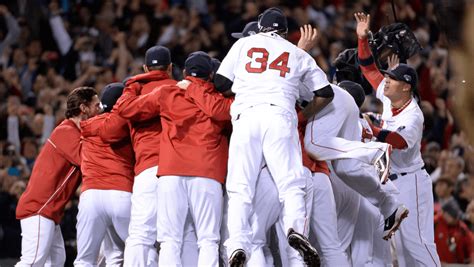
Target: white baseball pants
column 267, row 209
column 415, row 240
column 364, row 180
column 328, row 138
column 263, row 132
column 368, row 247
column 139, row 246
column 102, row 213
column 290, row 258
column 347, row 208
column 202, row 198
column 324, row 223
column 42, row 243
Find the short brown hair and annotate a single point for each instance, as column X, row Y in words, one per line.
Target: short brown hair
column 78, row 96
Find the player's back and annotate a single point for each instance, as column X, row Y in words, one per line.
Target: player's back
column 265, row 68
column 343, row 113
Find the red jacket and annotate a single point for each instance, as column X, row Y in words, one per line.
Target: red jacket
column 193, row 141
column 107, row 165
column 145, row 134
column 453, row 242
column 55, row 176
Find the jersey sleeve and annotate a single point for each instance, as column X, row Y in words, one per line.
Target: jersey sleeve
column 313, row 77
column 67, row 141
column 411, row 130
column 138, row 108
column 113, row 128
column 367, row 64
column 229, row 63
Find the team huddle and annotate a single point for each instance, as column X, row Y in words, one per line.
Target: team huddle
column 257, row 160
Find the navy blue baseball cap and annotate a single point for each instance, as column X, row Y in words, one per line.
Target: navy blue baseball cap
column 157, row 56
column 250, row 29
column 110, row 94
column 198, row 64
column 272, row 19
column 216, row 63
column 403, row 73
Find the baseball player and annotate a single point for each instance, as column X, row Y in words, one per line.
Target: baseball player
column 107, row 181
column 193, row 162
column 363, row 239
column 54, row 179
column 263, row 71
column 139, row 248
column 402, row 128
column 334, row 121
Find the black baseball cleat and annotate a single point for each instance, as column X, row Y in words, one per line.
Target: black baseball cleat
column 237, row 259
column 302, row 245
column 392, row 223
column 382, row 164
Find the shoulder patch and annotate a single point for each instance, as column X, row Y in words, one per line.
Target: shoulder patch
column 399, row 129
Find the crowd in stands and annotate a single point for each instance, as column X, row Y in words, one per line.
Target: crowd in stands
column 47, row 48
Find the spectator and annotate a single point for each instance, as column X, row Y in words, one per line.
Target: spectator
column 444, row 188
column 452, row 237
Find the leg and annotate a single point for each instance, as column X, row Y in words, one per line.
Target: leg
column 267, row 209
column 37, row 236
column 347, row 208
column 119, row 207
column 282, row 152
column 324, row 223
column 172, row 208
column 362, row 245
column 57, row 256
column 139, row 246
column 111, row 249
column 245, row 157
column 190, row 250
column 333, row 148
column 363, row 179
column 205, row 201
column 322, row 141
column 92, row 223
column 417, row 232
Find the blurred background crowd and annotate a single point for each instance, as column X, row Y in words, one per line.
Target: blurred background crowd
column 47, row 48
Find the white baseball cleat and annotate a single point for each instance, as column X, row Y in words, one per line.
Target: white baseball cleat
column 382, row 164
column 392, row 223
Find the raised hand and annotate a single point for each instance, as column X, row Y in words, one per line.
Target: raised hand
column 393, row 61
column 363, row 24
column 308, row 37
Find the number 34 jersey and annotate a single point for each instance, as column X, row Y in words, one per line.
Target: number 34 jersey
column 266, row 68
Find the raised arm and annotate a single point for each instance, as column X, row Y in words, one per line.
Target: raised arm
column 135, row 107
column 366, row 60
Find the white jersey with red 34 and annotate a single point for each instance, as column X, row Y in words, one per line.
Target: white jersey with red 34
column 263, row 72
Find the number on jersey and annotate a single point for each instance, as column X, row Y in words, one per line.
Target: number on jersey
column 280, row 63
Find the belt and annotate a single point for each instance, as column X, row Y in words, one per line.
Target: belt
column 238, row 116
column 395, row 176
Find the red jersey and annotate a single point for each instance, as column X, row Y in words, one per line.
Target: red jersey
column 193, row 142
column 146, row 134
column 55, row 176
column 453, row 242
column 107, row 165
